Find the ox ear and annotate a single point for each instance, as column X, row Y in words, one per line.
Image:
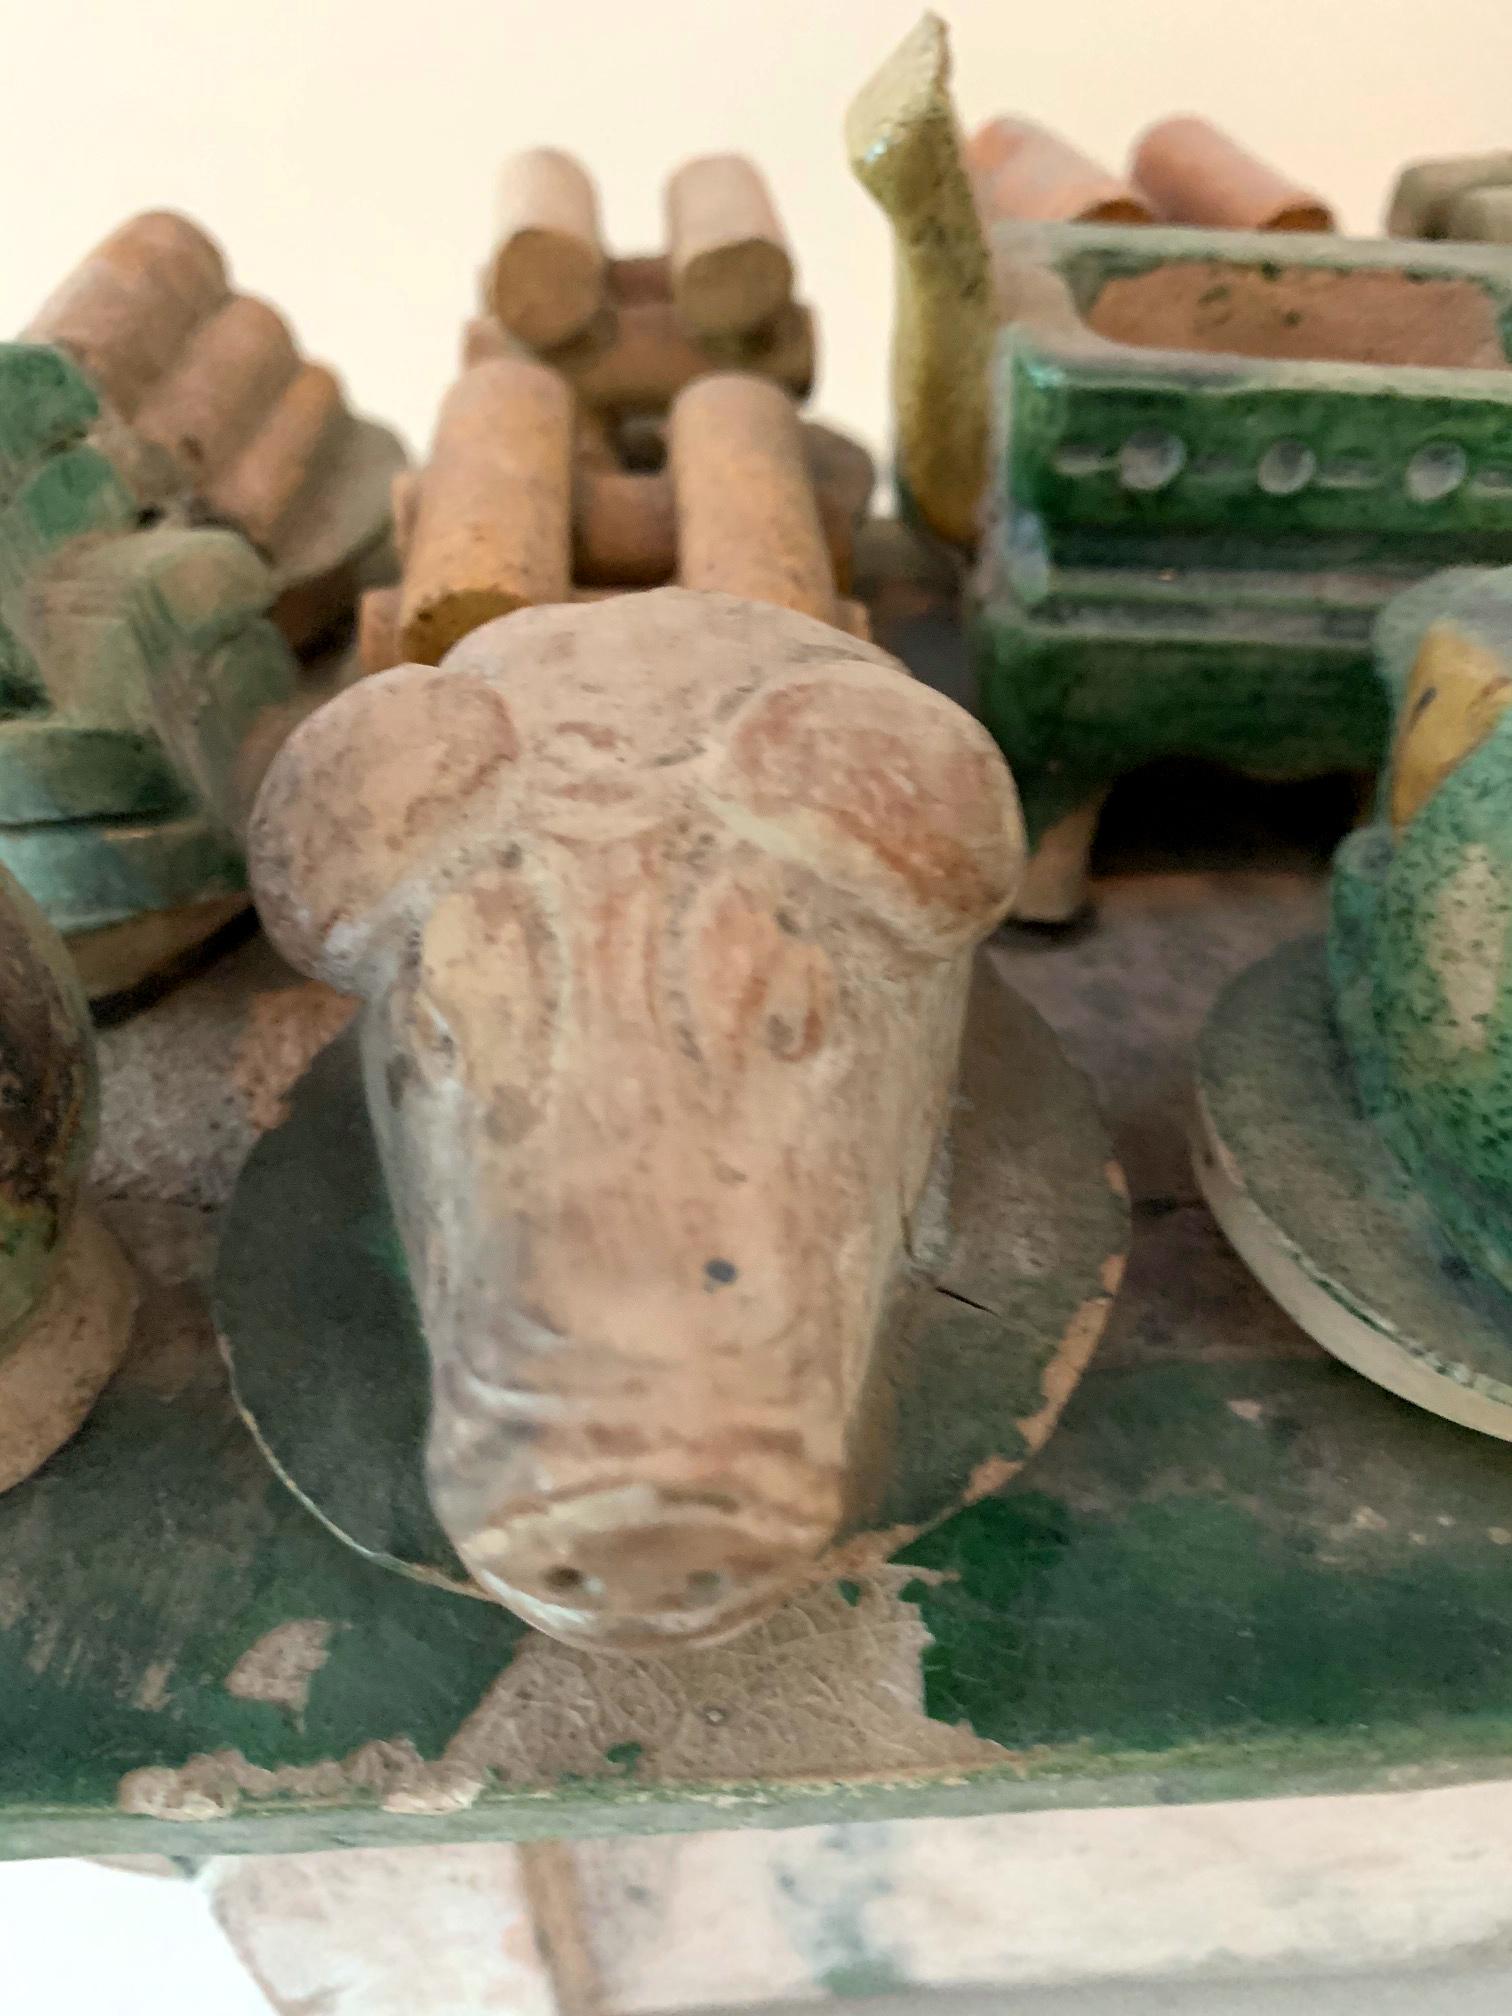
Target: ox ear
column 358, row 797
column 886, row 788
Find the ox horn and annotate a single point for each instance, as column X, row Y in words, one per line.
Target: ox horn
column 888, row 789
column 357, row 798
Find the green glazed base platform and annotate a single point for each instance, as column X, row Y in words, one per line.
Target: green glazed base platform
column 330, row 1370
column 1236, row 1569
column 1325, row 1216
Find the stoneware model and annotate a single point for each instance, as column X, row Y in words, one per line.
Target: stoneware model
column 1354, row 1124
column 1198, row 466
column 663, row 912
column 66, row 1292
column 183, row 502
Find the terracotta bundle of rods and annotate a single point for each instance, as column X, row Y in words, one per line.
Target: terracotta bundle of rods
column 629, row 333
column 524, row 501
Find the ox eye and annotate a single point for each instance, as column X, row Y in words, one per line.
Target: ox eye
column 798, row 1000
column 795, row 1033
column 755, row 985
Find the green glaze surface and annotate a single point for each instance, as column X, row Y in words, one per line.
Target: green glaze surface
column 1330, row 1649
column 1185, row 552
column 1422, row 915
column 1236, row 1569
column 99, row 872
column 1281, row 1107
column 136, row 665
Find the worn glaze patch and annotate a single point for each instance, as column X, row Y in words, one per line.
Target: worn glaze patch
column 280, row 1665
column 757, row 1709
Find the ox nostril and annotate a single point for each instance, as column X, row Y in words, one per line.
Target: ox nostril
column 603, row 1566
column 572, row 1585
column 696, row 1591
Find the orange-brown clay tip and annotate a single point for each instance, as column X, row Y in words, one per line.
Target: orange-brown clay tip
column 1194, row 174
column 547, row 275
column 1022, row 171
column 731, row 271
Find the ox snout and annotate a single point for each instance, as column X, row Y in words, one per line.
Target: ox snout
column 637, row 1568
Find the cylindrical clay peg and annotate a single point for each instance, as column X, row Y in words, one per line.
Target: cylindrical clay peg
column 625, row 522
column 624, row 528
column 731, row 270
column 638, row 355
column 1194, row 174
column 653, row 356
column 546, row 279
column 230, row 371
column 1022, row 171
column 493, row 526
column 840, row 467
column 643, row 276
column 261, row 487
column 126, row 311
column 747, row 522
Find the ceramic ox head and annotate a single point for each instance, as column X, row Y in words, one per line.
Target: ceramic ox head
column 663, row 912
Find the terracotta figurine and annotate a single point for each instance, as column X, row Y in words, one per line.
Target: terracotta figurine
column 553, row 473
column 662, row 905
column 663, row 913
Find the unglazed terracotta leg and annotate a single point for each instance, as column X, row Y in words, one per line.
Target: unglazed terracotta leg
column 1054, row 887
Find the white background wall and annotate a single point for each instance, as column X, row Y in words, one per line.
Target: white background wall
column 344, row 150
